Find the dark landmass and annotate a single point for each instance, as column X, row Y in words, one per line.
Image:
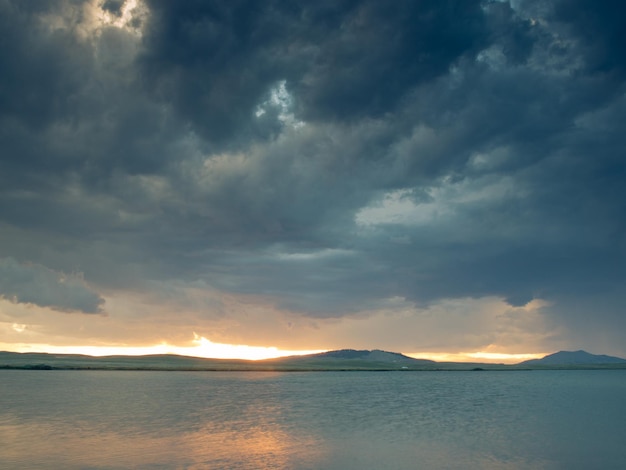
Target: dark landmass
column 570, row 358
column 367, row 355
column 342, row 360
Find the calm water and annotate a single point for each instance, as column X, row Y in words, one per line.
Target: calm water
column 331, row 420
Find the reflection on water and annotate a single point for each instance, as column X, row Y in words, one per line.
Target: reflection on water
column 43, row 446
column 148, row 420
column 506, row 420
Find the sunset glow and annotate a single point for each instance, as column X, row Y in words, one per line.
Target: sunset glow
column 478, row 356
column 202, row 347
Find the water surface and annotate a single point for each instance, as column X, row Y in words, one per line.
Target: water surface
column 313, row 420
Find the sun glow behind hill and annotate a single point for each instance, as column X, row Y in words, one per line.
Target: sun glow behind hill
column 201, row 347
column 478, row 356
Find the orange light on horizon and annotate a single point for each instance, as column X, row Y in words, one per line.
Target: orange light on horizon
column 202, row 347
column 207, row 348
column 478, row 356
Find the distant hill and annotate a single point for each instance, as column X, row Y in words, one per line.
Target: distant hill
column 351, row 359
column 45, row 361
column 340, row 360
column 574, row 358
column 346, row 359
column 376, row 355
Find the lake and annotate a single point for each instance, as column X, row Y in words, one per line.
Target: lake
column 313, row 420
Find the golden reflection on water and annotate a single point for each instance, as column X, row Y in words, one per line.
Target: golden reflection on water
column 262, row 446
column 213, row 446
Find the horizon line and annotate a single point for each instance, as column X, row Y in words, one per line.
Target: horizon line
column 206, row 349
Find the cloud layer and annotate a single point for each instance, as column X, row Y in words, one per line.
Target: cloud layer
column 325, row 158
column 35, row 284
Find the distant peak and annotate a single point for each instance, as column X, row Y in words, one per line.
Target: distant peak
column 575, row 357
column 370, row 355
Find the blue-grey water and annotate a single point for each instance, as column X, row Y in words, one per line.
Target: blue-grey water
column 328, row 420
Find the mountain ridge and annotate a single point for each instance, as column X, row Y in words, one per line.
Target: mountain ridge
column 336, row 360
column 368, row 354
column 578, row 357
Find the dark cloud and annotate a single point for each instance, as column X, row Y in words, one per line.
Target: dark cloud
column 214, row 61
column 512, row 34
column 328, row 156
column 113, row 6
column 38, row 285
column 598, row 32
column 381, row 51
column 42, row 68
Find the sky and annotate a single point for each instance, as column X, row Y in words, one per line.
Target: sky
column 438, row 178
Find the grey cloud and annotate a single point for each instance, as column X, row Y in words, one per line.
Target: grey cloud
column 42, row 68
column 342, row 60
column 598, row 31
column 381, row 51
column 113, row 6
column 36, row 284
column 513, row 34
column 146, row 156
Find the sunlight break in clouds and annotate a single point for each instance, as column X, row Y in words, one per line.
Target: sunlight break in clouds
column 125, row 17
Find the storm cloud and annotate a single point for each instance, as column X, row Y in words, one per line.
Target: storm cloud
column 38, row 285
column 328, row 158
